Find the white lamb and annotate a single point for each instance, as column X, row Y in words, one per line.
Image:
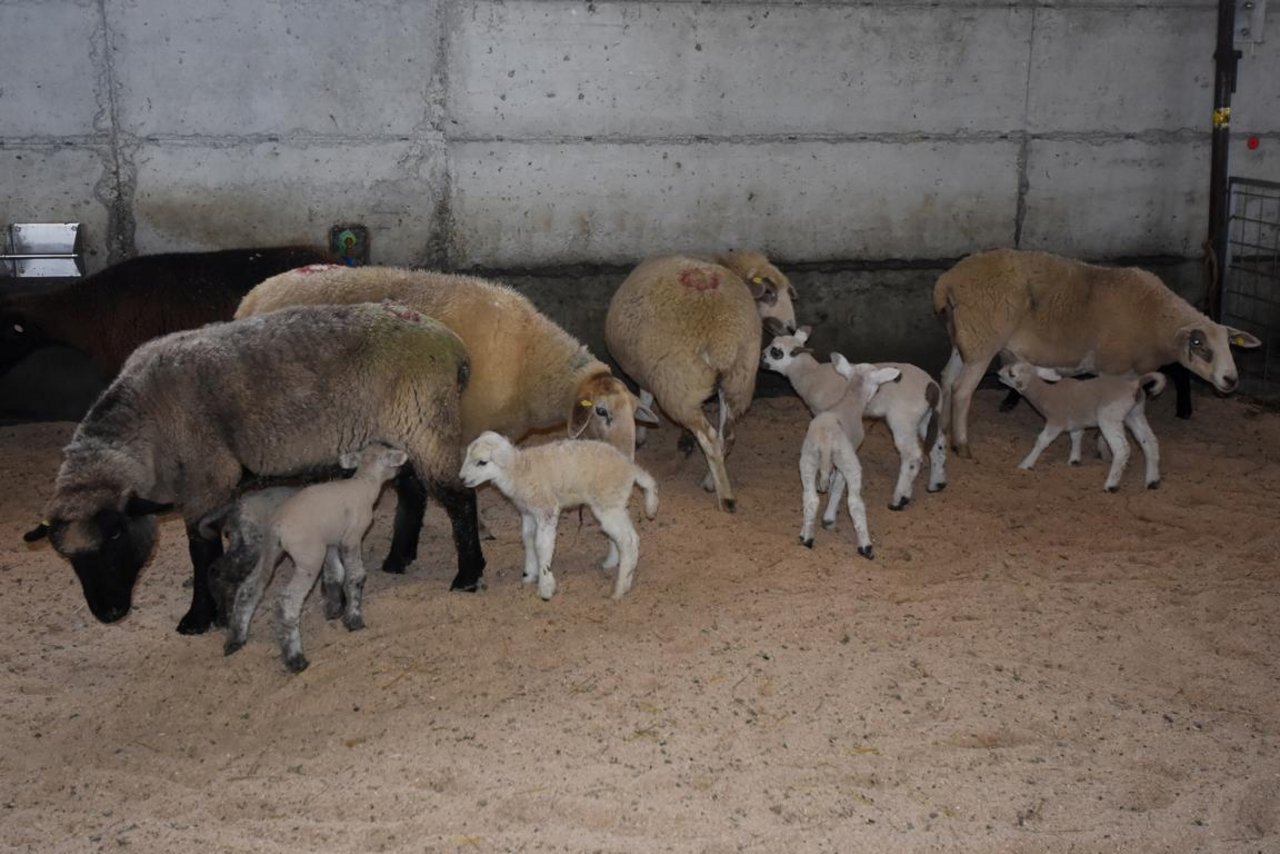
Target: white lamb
column 545, row 479
column 831, row 442
column 910, row 406
column 1107, row 402
column 322, row 519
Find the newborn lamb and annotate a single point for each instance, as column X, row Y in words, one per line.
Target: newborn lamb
column 326, row 519
column 545, row 479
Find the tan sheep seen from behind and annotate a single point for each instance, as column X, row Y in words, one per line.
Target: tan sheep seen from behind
column 1073, row 317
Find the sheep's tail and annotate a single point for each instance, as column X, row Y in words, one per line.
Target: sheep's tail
column 932, row 395
column 645, row 481
column 1152, row 383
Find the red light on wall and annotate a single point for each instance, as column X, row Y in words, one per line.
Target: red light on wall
column 1252, row 143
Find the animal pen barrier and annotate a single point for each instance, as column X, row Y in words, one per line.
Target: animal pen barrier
column 1251, row 281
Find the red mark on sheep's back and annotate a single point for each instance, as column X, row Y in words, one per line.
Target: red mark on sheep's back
column 401, row 311
column 316, row 268
column 699, row 280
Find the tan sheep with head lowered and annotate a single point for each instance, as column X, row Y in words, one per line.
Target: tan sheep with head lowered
column 686, row 330
column 526, row 372
column 1073, row 317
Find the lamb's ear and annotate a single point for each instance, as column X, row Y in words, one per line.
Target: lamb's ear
column 39, row 532
column 580, row 417
column 1049, row 375
column 802, row 334
column 137, row 506
column 644, row 415
column 1240, row 338
column 842, row 366
column 350, row 460
column 395, row 457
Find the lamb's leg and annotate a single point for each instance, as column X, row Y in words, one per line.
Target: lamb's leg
column 1137, row 421
column 204, row 610
column 248, row 595
column 962, row 395
column 545, row 542
column 528, row 530
column 910, row 456
column 1114, row 433
column 642, row 432
column 308, row 560
column 1046, row 437
column 334, row 572
column 937, row 459
column 809, row 494
column 1077, row 439
column 617, row 526
column 612, row 557
column 852, row 471
column 834, row 491
column 353, row 585
column 411, row 505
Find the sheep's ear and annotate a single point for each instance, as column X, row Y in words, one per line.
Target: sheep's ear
column 1049, row 375
column 885, row 375
column 644, row 415
column 1242, row 339
column 580, row 417
column 774, row 327
column 395, row 457
column 39, row 532
column 802, row 334
column 349, row 460
column 137, row 506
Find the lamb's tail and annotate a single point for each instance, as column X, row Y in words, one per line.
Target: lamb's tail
column 645, row 481
column 825, row 464
column 1152, row 383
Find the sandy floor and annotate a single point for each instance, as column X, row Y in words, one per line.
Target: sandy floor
column 1029, row 664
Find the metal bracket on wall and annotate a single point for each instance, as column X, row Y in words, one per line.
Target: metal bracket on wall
column 1254, row 26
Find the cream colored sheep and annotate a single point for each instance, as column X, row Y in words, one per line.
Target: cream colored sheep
column 1109, row 403
column 910, row 406
column 527, row 373
column 1072, row 317
column 831, row 443
column 544, row 479
column 313, row 527
column 688, row 330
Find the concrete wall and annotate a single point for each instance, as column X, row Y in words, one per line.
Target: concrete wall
column 543, row 135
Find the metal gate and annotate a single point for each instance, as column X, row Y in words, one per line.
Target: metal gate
column 1251, row 281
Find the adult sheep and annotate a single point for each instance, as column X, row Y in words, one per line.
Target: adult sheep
column 1073, row 317
column 527, row 373
column 110, row 314
column 688, row 330
column 191, row 412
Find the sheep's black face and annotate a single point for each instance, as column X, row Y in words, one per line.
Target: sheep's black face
column 107, row 551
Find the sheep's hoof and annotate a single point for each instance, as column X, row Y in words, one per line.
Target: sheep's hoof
column 1155, row 484
column 807, row 543
column 1073, row 463
column 232, row 646
column 829, row 524
column 901, row 505
column 395, row 565
column 866, row 552
column 729, row 505
column 1111, row 488
column 296, row 663
column 354, row 623
column 938, row 488
column 332, row 609
column 467, row 584
column 193, row 623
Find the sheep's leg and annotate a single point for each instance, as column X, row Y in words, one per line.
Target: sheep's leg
column 712, row 445
column 308, row 561
column 723, row 429
column 460, row 504
column 617, row 526
column 1137, row 421
column 910, row 457
column 852, row 471
column 411, row 505
column 833, row 499
column 1046, row 437
column 545, row 541
column 1114, row 433
column 1180, row 376
column 204, row 610
column 950, row 372
column 528, row 530
column 353, row 585
column 962, row 395
column 642, row 431
column 331, row 585
column 809, row 493
column 937, row 457
column 248, row 595
column 1077, row 439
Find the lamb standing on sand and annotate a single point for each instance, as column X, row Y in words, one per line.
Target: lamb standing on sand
column 322, row 518
column 1107, row 402
column 545, row 479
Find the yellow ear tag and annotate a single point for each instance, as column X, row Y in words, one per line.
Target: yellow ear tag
column 1238, row 340
column 756, row 280
column 584, row 403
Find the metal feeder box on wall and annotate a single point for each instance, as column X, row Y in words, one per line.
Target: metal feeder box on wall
column 37, row 250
